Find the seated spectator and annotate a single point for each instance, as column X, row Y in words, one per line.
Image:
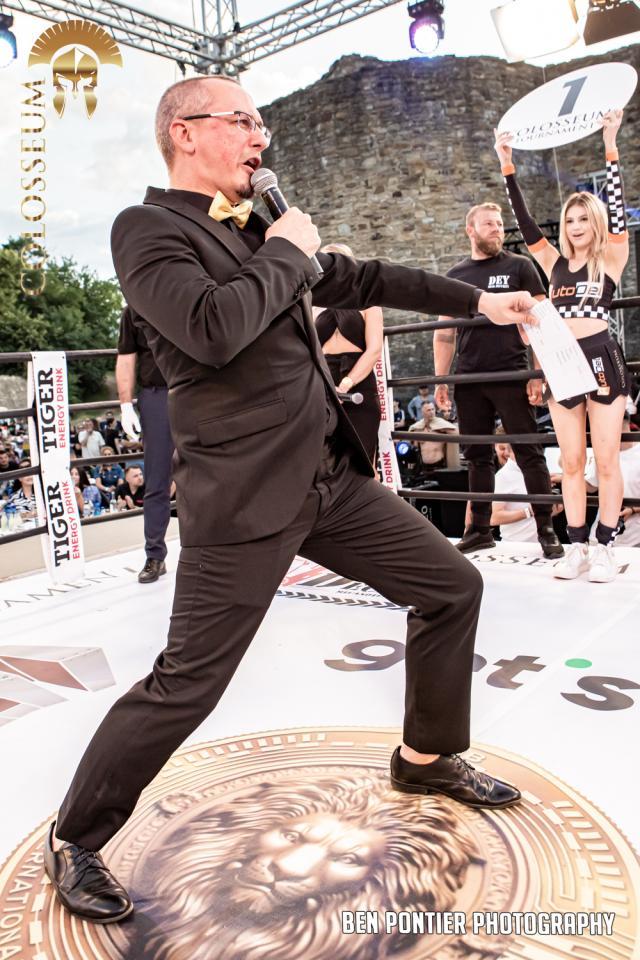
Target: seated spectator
column 87, row 494
column 7, row 462
column 414, row 407
column 629, row 535
column 399, row 418
column 108, row 476
column 22, row 496
column 20, row 444
column 432, row 453
column 90, row 439
column 130, row 494
column 516, row 520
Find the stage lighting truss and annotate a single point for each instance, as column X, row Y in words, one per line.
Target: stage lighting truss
column 8, row 45
column 427, row 28
column 607, row 19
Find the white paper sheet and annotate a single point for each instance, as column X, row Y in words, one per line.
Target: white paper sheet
column 565, row 366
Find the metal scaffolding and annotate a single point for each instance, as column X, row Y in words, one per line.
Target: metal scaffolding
column 221, row 44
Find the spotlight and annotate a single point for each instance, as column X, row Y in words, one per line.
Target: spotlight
column 607, row 19
column 8, row 45
column 427, row 29
column 532, row 28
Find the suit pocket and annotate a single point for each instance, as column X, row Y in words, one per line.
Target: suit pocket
column 242, row 424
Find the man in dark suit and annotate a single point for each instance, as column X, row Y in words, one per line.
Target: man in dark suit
column 226, row 313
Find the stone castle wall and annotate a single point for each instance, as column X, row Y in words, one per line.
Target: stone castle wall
column 388, row 157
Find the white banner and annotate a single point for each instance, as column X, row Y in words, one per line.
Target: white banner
column 569, row 107
column 49, row 437
column 389, row 472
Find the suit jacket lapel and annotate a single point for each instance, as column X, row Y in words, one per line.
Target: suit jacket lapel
column 236, row 246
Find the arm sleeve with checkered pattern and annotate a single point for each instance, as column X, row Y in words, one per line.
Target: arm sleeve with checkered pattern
column 615, row 197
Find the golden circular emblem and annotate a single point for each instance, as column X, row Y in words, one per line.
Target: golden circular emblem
column 293, row 846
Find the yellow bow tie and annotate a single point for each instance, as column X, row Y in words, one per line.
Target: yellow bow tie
column 221, row 208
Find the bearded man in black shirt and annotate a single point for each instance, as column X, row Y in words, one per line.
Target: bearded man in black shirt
column 484, row 350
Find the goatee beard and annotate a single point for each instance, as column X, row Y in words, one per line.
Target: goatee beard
column 490, row 247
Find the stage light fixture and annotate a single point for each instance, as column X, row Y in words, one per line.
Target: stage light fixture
column 533, row 28
column 427, row 29
column 8, row 45
column 607, row 19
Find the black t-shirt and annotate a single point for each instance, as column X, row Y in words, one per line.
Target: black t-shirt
column 132, row 340
column 124, row 490
column 496, row 347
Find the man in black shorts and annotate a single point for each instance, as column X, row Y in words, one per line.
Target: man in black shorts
column 489, row 350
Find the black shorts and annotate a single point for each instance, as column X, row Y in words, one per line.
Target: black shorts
column 609, row 368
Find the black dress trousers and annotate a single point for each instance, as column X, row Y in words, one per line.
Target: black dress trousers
column 355, row 527
column 478, row 404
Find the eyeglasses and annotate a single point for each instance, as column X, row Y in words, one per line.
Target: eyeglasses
column 244, row 121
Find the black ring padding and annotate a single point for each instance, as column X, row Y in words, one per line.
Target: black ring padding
column 14, row 414
column 23, row 534
column 84, row 522
column 546, row 439
column 99, row 405
column 423, row 325
column 622, row 303
column 548, row 498
column 114, row 458
column 498, row 376
column 32, row 471
column 73, row 408
column 70, row 354
column 76, row 462
column 117, row 515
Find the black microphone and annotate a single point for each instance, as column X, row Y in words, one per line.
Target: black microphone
column 356, row 398
column 265, row 184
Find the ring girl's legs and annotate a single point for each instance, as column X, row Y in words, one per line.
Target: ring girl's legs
column 570, row 428
column 606, row 425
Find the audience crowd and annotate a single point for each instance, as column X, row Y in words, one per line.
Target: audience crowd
column 102, row 487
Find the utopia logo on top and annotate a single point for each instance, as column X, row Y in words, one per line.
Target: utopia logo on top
column 69, row 56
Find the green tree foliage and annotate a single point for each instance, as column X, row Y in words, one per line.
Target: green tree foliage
column 75, row 311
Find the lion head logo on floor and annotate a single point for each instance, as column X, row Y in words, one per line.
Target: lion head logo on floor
column 266, row 874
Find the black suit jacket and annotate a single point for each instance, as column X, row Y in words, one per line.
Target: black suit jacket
column 233, row 335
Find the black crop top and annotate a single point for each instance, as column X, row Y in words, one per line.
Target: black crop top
column 566, row 290
column 350, row 323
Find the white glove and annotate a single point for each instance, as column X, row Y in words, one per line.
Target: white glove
column 130, row 422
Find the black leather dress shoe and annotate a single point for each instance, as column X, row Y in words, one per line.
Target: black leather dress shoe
column 551, row 546
column 83, row 883
column 473, row 539
column 151, row 570
column 453, row 777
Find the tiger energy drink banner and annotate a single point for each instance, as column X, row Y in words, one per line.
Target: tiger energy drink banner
column 49, row 436
column 389, row 472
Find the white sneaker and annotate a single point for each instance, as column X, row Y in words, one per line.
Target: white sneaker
column 603, row 565
column 574, row 562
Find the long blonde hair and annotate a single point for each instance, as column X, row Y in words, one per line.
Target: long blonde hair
column 597, row 217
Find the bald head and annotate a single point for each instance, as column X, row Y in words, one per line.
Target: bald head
column 181, row 99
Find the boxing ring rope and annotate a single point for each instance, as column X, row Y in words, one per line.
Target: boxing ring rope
column 547, row 438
